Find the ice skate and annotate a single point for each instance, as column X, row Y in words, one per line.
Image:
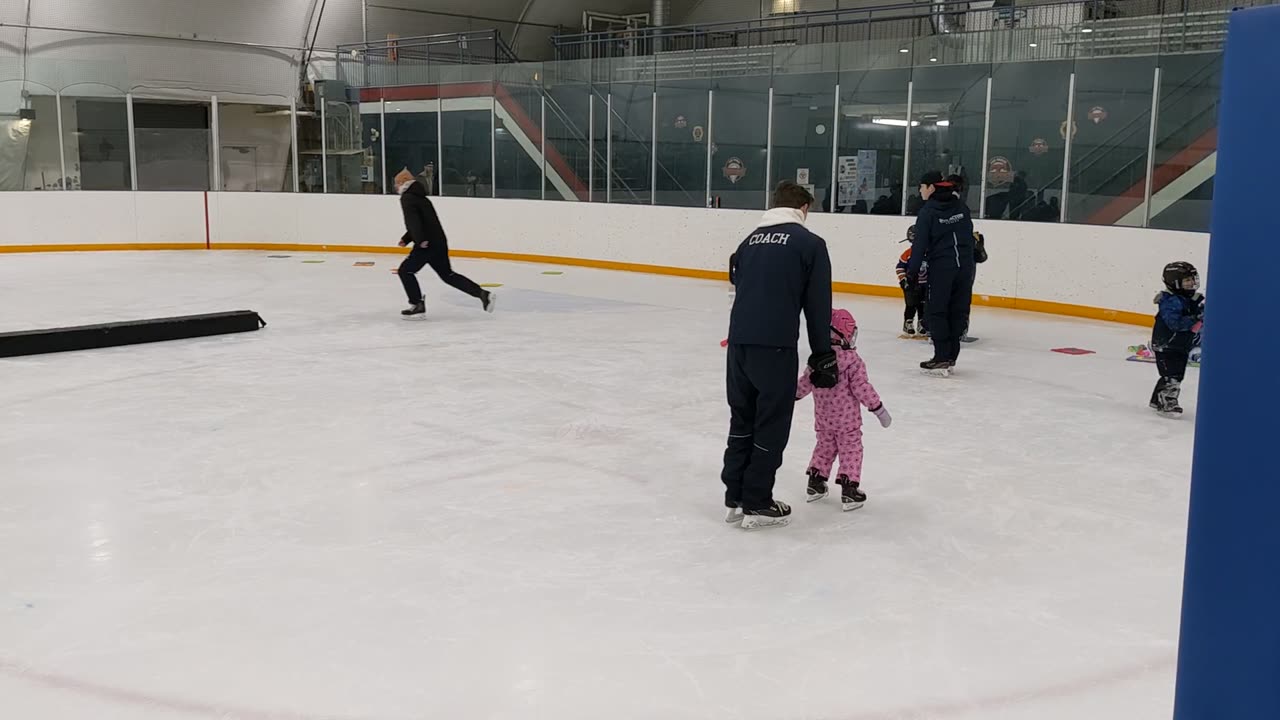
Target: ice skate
column 924, row 331
column 776, row 515
column 936, row 368
column 817, row 486
column 1165, row 401
column 418, row 308
column 851, row 498
column 909, row 327
column 489, row 300
column 732, row 514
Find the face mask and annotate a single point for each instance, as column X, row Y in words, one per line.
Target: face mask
column 402, row 187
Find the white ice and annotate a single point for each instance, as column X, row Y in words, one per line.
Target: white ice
column 351, row 516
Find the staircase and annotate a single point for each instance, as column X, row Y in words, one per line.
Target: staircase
column 569, row 155
column 1109, row 181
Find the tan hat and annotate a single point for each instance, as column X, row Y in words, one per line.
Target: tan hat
column 403, row 177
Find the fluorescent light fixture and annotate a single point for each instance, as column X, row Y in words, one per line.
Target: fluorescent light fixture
column 933, row 59
column 894, row 122
column 903, row 50
column 1084, row 30
column 943, row 123
column 1032, row 45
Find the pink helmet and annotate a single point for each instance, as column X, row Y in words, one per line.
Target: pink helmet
column 844, row 329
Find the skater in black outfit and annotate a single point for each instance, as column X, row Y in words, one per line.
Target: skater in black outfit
column 779, row 270
column 1176, row 330
column 430, row 247
column 915, row 291
column 944, row 238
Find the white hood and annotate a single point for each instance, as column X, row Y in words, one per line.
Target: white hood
column 781, row 216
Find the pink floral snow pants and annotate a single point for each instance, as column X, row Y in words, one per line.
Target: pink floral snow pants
column 844, row 443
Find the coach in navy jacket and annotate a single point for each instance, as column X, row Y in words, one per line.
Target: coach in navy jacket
column 780, row 270
column 944, row 237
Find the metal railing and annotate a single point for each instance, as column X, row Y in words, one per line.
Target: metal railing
column 582, row 144
column 1121, row 27
column 383, row 62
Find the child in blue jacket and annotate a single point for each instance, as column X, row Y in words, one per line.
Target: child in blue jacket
column 1176, row 331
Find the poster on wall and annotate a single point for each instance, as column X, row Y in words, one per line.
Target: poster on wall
column 802, row 176
column 866, row 175
column 846, row 180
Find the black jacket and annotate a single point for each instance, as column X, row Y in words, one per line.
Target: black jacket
column 780, row 270
column 1178, row 314
column 944, row 236
column 421, row 223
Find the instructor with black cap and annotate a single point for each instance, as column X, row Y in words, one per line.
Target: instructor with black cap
column 944, row 238
column 780, row 270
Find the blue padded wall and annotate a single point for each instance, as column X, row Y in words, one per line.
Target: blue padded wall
column 1229, row 654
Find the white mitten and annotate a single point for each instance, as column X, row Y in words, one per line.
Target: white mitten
column 882, row 414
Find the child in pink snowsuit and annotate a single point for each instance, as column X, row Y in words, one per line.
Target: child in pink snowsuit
column 838, row 416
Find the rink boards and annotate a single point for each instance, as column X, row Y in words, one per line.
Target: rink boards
column 1098, row 272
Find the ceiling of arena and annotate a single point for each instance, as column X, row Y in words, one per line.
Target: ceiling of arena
column 283, row 22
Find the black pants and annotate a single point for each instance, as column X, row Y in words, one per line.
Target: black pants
column 950, row 298
column 761, row 384
column 1172, row 366
column 916, row 297
column 439, row 261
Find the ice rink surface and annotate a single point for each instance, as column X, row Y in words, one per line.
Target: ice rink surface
column 352, row 516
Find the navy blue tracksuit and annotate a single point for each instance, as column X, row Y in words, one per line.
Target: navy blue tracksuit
column 779, row 271
column 944, row 238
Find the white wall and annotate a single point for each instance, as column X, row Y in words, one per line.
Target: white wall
column 69, row 218
column 270, row 137
column 1092, row 266
column 173, row 68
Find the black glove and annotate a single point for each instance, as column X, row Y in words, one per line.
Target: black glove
column 824, row 370
column 905, row 284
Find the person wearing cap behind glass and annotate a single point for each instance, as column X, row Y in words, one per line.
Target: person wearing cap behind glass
column 944, row 238
column 430, row 247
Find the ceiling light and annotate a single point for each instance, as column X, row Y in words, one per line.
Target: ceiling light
column 1083, row 30
column 933, row 59
column 896, row 122
column 1032, row 45
column 944, row 123
column 903, row 50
